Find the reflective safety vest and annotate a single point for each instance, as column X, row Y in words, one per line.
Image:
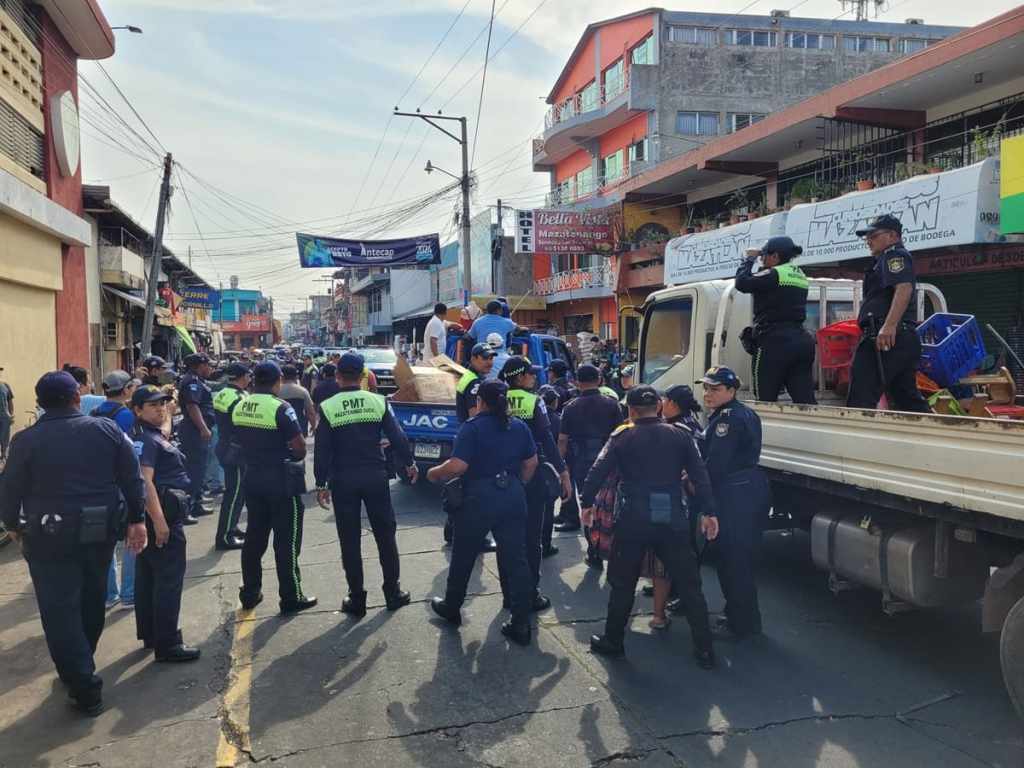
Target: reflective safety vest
column 257, row 411
column 521, row 404
column 226, row 398
column 467, row 378
column 609, row 392
column 347, row 408
column 792, row 276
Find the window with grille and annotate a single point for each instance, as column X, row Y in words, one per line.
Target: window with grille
column 638, row 151
column 810, row 41
column 697, row 123
column 110, row 333
column 864, row 44
column 692, row 35
column 755, row 38
column 739, row 120
column 21, row 142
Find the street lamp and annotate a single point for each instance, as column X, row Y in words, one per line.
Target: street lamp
column 431, row 168
column 130, row 28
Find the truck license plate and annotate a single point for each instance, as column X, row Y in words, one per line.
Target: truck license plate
column 427, row 451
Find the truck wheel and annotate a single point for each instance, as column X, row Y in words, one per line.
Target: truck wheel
column 1011, row 654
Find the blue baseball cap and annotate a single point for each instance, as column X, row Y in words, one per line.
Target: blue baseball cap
column 482, row 350
column 351, row 362
column 721, row 375
column 236, row 370
column 558, row 367
column 56, row 387
column 266, row 372
column 587, row 374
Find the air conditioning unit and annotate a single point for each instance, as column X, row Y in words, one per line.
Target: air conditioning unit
column 915, row 21
column 778, row 14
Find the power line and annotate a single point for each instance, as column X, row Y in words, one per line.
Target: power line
column 483, row 84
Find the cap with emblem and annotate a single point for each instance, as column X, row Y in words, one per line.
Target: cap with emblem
column 642, row 396
column 721, row 375
column 482, row 350
column 351, row 363
column 884, row 222
column 516, row 366
column 266, row 372
column 196, row 359
column 149, row 394
column 153, row 361
column 558, row 367
column 56, row 388
column 588, row 374
column 236, row 370
column 115, row 382
column 783, row 246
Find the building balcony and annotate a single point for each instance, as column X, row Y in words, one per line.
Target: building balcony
column 120, row 267
column 644, row 268
column 588, row 283
column 363, row 280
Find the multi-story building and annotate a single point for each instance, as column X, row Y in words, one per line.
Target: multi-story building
column 645, row 87
column 370, row 289
column 245, row 317
column 43, row 297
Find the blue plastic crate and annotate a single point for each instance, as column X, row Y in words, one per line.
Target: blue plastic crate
column 951, row 347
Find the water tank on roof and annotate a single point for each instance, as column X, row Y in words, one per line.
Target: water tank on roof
column 234, row 282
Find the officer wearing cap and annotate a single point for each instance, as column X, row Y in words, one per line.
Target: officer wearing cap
column 151, row 368
column 496, row 456
column 650, row 457
column 587, row 423
column 558, row 376
column 523, row 404
column 886, row 360
column 273, row 450
column 732, row 449
column 229, row 454
column 784, row 353
column 351, row 471
column 64, row 482
column 196, row 402
column 160, row 568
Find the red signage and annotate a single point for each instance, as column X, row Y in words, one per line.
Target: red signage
column 552, row 231
column 248, row 324
column 986, row 258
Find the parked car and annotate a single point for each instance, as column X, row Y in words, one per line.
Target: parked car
column 381, row 360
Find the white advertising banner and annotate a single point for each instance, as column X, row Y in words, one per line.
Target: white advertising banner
column 951, row 208
column 717, row 254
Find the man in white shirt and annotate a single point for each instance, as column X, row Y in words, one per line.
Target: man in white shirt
column 436, row 334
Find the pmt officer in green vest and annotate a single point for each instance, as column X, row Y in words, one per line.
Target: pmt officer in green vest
column 229, row 454
column 273, row 453
column 783, row 351
column 521, row 377
column 350, row 470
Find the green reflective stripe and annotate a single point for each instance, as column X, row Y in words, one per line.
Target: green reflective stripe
column 296, row 578
column 791, row 276
column 467, row 378
column 234, row 500
column 609, row 392
column 346, row 408
column 225, row 398
column 521, row 404
column 257, row 412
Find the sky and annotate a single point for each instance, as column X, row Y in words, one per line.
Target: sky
column 279, row 114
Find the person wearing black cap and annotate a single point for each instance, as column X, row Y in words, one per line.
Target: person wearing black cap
column 496, row 457
column 521, row 378
column 558, row 375
column 351, row 470
column 160, row 568
column 587, row 423
column 196, row 402
column 783, row 351
column 150, row 369
column 732, row 450
column 273, row 452
column 229, row 454
column 62, row 496
column 886, row 360
column 650, row 457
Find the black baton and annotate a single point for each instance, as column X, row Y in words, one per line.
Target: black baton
column 878, row 352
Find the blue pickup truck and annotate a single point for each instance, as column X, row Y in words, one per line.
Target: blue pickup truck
column 431, row 427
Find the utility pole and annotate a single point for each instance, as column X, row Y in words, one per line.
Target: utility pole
column 462, row 139
column 157, row 257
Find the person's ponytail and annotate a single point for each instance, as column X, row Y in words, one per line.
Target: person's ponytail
column 495, row 396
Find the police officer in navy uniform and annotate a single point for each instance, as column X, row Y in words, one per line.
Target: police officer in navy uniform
column 496, row 456
column 273, row 452
column 650, row 457
column 886, row 319
column 523, row 404
column 196, row 402
column 785, row 351
column 66, row 479
column 229, row 454
column 160, row 568
column 350, row 470
column 551, row 399
column 732, row 449
column 558, row 376
column 587, row 423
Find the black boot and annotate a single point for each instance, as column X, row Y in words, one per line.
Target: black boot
column 249, row 601
column 396, row 599
column 601, row 645
column 178, row 653
column 446, row 612
column 354, row 604
column 294, row 606
column 518, row 633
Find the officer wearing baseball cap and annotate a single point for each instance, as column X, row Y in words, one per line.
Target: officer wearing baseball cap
column 351, row 471
column 783, row 351
column 886, row 360
column 650, row 457
column 62, row 496
column 558, row 377
column 229, row 454
column 152, row 366
column 521, row 377
column 732, row 450
column 195, row 433
column 273, row 452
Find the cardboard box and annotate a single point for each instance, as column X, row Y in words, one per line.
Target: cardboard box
column 423, row 384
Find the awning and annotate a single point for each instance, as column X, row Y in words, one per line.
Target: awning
column 135, row 301
column 186, row 338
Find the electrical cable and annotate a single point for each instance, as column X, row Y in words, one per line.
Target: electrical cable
column 483, row 84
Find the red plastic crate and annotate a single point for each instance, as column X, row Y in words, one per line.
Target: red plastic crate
column 837, row 344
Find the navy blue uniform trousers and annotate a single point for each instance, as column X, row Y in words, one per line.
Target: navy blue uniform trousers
column 197, row 456
column 159, row 580
column 349, row 493
column 231, row 504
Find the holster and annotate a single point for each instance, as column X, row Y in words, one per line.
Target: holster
column 453, row 494
column 175, row 504
column 749, row 340
column 650, row 504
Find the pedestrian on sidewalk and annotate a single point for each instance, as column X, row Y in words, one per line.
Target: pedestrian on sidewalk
column 195, row 431
column 6, row 416
column 229, row 455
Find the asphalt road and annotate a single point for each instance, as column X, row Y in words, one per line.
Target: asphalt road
column 833, row 682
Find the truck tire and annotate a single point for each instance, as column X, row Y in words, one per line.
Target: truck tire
column 1011, row 655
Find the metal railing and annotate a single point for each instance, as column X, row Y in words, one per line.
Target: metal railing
column 585, row 101
column 120, row 238
column 600, row 276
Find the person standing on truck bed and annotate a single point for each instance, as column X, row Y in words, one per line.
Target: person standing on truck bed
column 521, row 377
column 886, row 319
column 784, row 350
column 493, row 322
column 350, row 470
column 732, row 449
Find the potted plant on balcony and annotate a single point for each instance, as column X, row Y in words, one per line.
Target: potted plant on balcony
column 805, row 190
column 904, row 171
column 738, row 204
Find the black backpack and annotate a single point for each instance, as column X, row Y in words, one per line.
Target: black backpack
column 112, row 415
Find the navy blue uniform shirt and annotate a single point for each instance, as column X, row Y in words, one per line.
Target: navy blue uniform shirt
column 892, row 268
column 732, row 441
column 193, row 390
column 590, row 416
column 491, row 448
column 156, row 451
column 269, row 447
